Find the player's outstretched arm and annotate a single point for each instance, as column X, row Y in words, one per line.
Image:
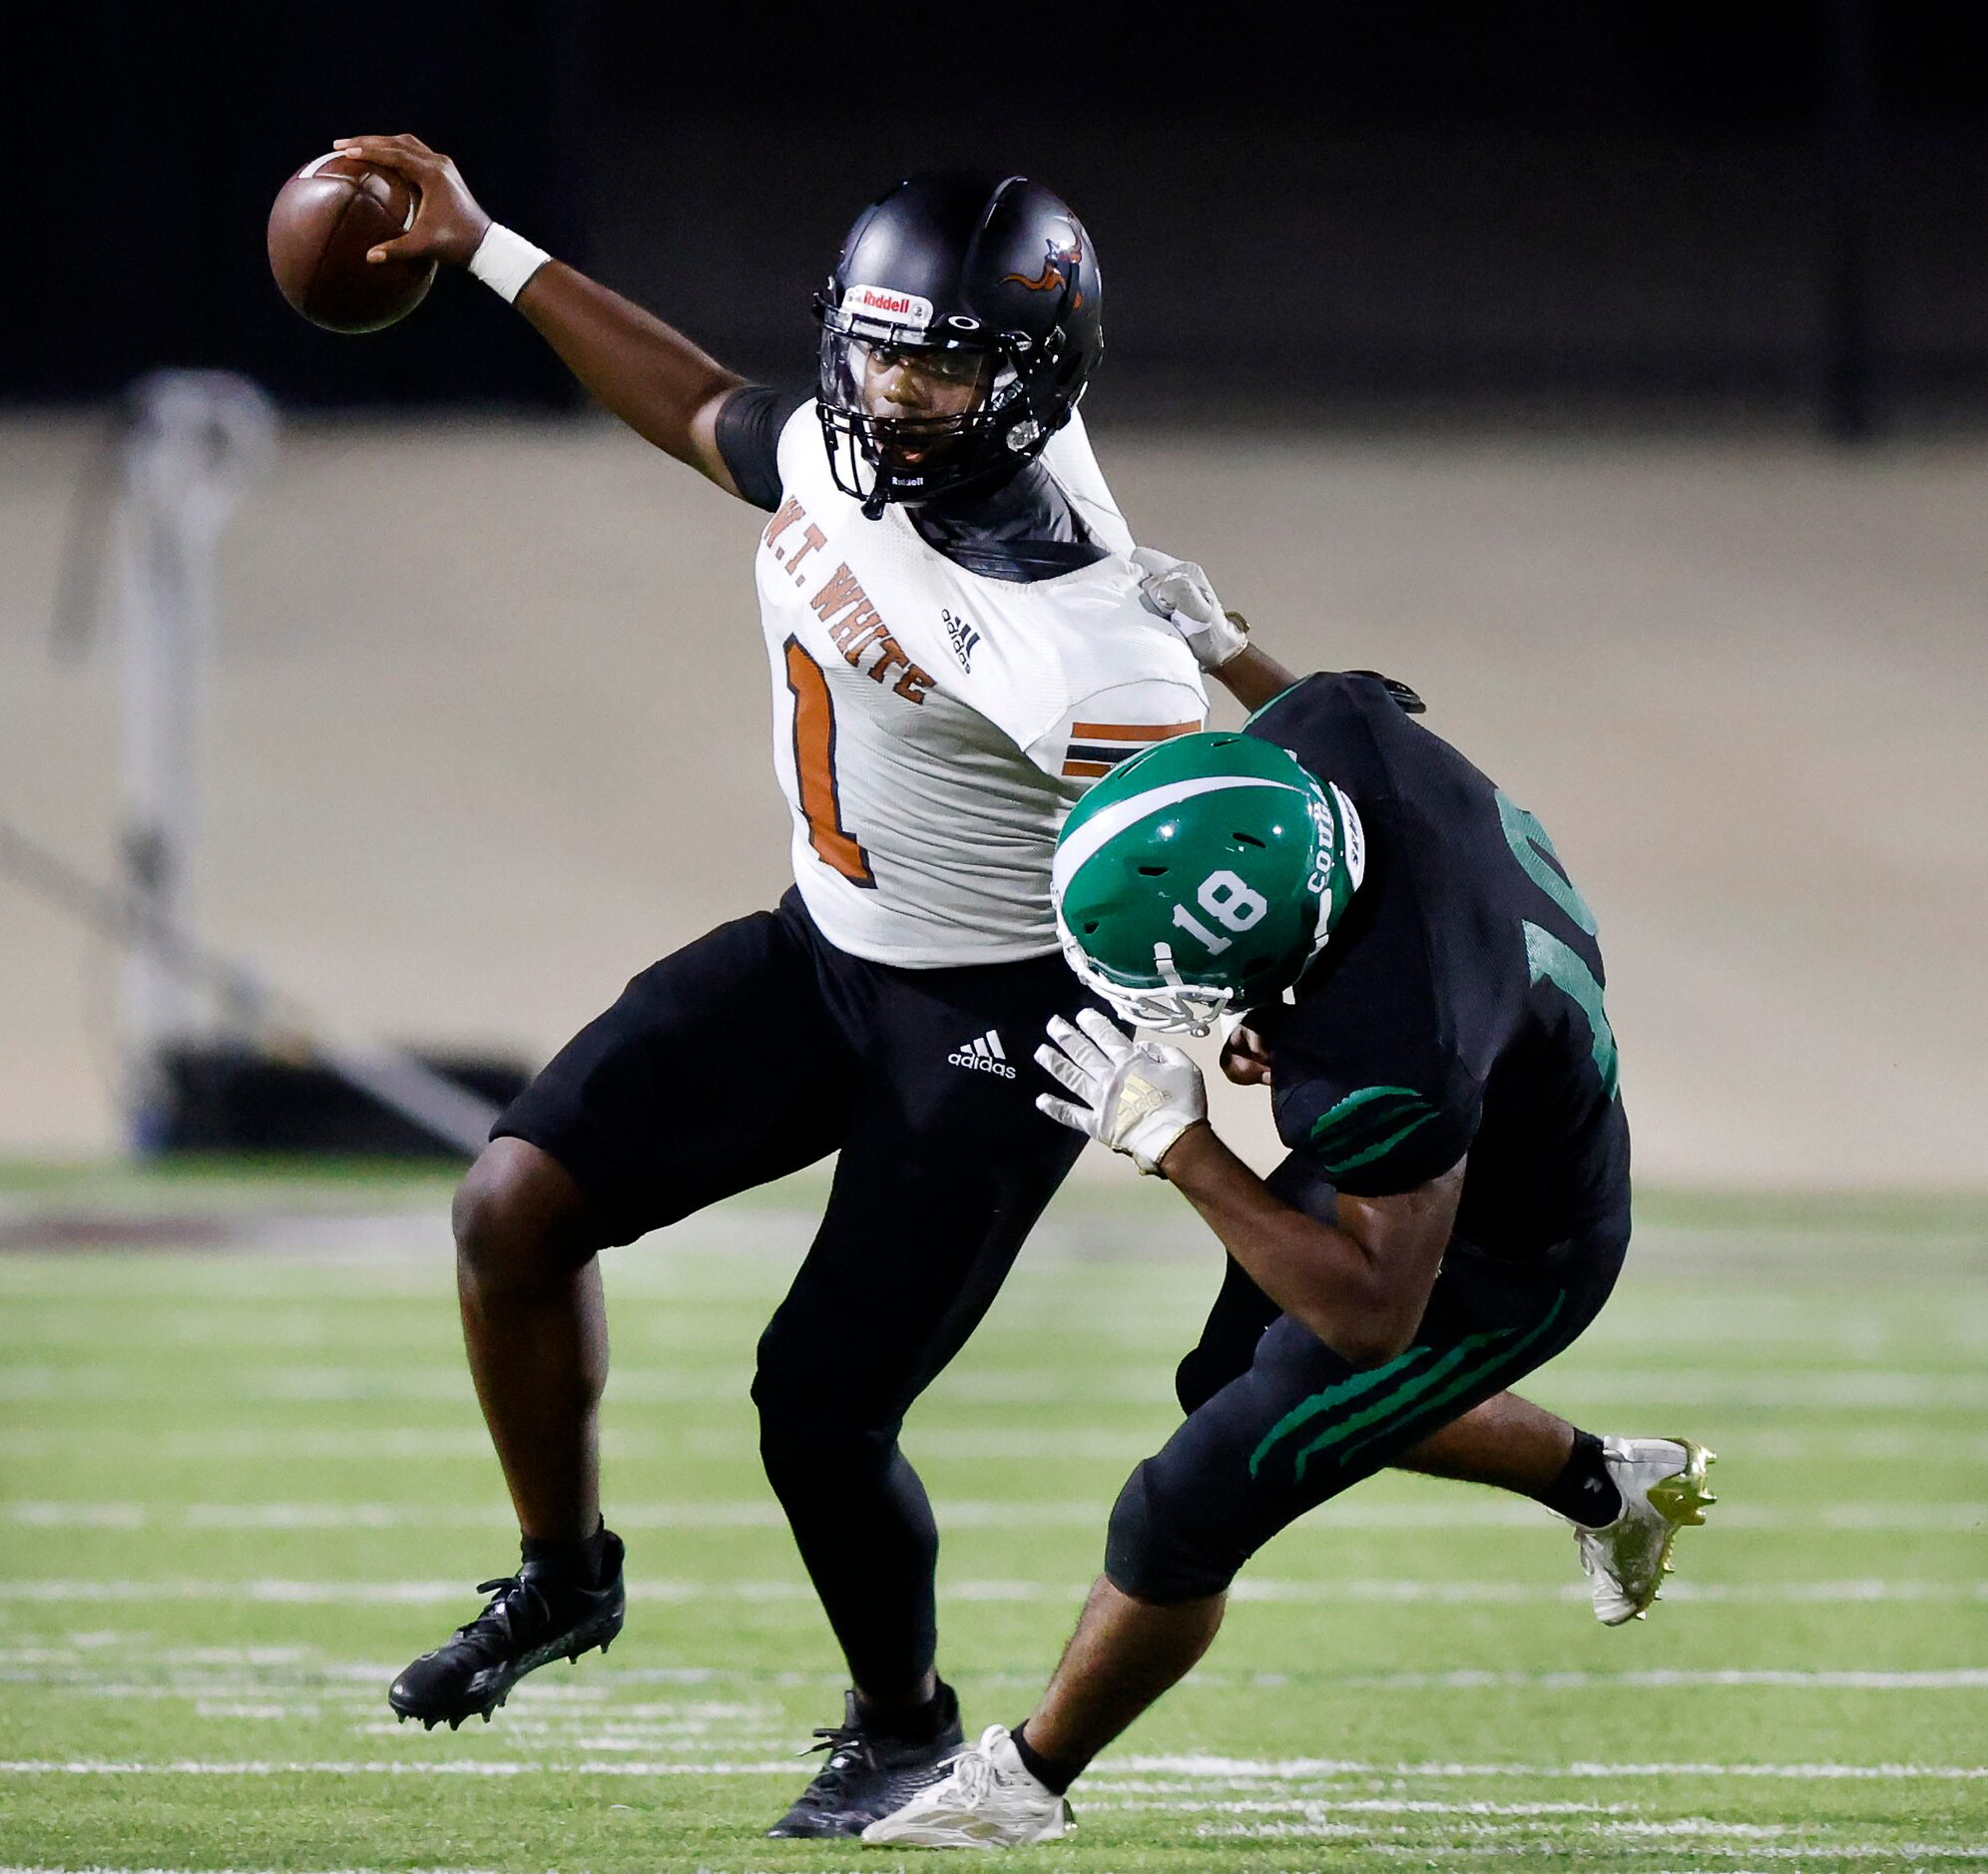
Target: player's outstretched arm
column 646, row 372
column 1253, row 678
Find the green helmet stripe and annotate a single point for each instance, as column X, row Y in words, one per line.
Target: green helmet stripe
column 1083, row 842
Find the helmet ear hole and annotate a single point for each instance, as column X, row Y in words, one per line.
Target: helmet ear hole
column 1153, row 872
column 1089, row 926
column 1250, row 839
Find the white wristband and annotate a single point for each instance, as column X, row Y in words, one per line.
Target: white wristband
column 504, row 261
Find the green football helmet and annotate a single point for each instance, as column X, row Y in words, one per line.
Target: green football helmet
column 1203, row 874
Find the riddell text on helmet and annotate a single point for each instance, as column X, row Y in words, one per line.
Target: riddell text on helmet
column 878, row 302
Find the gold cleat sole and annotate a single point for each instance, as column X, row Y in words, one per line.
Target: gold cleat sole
column 1681, row 1499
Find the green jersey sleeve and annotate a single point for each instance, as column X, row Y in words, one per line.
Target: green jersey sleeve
column 1380, row 1126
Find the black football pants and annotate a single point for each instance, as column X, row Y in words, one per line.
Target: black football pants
column 1278, row 1423
column 760, row 1049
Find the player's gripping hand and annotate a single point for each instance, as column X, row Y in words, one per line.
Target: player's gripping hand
column 1245, row 1058
column 448, row 225
column 1179, row 591
column 1136, row 1097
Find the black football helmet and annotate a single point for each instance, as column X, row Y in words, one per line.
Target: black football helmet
column 987, row 284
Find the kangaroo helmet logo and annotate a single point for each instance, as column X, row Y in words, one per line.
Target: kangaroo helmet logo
column 1059, row 268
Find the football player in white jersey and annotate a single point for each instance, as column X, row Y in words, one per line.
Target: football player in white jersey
column 957, row 648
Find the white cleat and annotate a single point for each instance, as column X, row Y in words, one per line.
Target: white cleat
column 988, row 1799
column 1662, row 1487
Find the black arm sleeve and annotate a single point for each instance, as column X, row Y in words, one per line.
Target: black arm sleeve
column 749, row 422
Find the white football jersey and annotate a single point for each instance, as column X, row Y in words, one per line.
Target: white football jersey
column 932, row 727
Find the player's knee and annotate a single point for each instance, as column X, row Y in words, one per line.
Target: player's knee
column 814, row 1429
column 781, row 1396
column 518, row 1217
column 1200, row 1376
column 1154, row 1549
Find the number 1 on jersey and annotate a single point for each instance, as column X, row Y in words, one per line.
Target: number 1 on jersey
column 815, row 769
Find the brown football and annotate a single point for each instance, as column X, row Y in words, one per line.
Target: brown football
column 326, row 218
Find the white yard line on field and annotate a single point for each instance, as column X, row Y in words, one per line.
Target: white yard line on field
column 1914, row 1447
column 1515, row 1837
column 261, row 1672
column 133, row 1444
column 1859, row 1388
column 1314, row 1806
column 1110, row 1774
column 1003, row 1442
column 1461, row 1593
column 1284, row 1769
column 1659, row 1678
column 1862, row 1389
column 396, row 1766
column 1464, row 1510
column 315, row 1688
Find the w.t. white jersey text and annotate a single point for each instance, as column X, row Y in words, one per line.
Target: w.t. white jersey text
column 932, row 725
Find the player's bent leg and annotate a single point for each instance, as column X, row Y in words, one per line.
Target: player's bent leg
column 537, row 1339
column 830, row 1463
column 536, row 1331
column 1627, row 1497
column 947, row 1165
column 1504, row 1443
column 1227, row 1340
column 1300, row 1426
column 863, row 1526
column 657, row 1106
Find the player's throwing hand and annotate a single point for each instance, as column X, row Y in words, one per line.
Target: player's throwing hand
column 1138, row 1097
column 448, row 225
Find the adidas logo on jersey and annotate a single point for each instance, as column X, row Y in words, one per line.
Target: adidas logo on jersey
column 984, row 1056
column 962, row 637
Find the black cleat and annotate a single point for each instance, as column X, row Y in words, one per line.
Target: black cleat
column 867, row 1775
column 533, row 1618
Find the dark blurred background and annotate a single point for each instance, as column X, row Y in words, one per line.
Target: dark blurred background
column 1776, row 208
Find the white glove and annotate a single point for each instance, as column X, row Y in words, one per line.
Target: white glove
column 1179, row 591
column 1138, row 1097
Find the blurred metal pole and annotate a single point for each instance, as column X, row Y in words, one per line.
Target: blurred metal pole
column 195, row 441
column 1849, row 151
column 283, row 1028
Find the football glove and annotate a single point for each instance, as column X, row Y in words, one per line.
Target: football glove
column 1179, row 591
column 1134, row 1097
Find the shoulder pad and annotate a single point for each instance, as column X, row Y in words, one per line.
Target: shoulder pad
column 1409, row 702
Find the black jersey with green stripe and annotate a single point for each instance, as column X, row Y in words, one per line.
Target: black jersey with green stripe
column 1458, row 1007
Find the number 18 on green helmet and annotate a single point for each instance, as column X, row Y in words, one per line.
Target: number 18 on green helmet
column 1206, row 873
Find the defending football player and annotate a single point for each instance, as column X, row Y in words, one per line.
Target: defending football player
column 958, row 648
column 1419, row 987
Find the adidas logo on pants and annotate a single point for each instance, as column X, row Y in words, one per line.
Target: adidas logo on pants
column 984, row 1056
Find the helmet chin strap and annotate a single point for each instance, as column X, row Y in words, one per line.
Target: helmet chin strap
column 1192, row 1005
column 1182, row 1008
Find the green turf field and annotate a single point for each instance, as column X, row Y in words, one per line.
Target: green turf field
column 239, row 1490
